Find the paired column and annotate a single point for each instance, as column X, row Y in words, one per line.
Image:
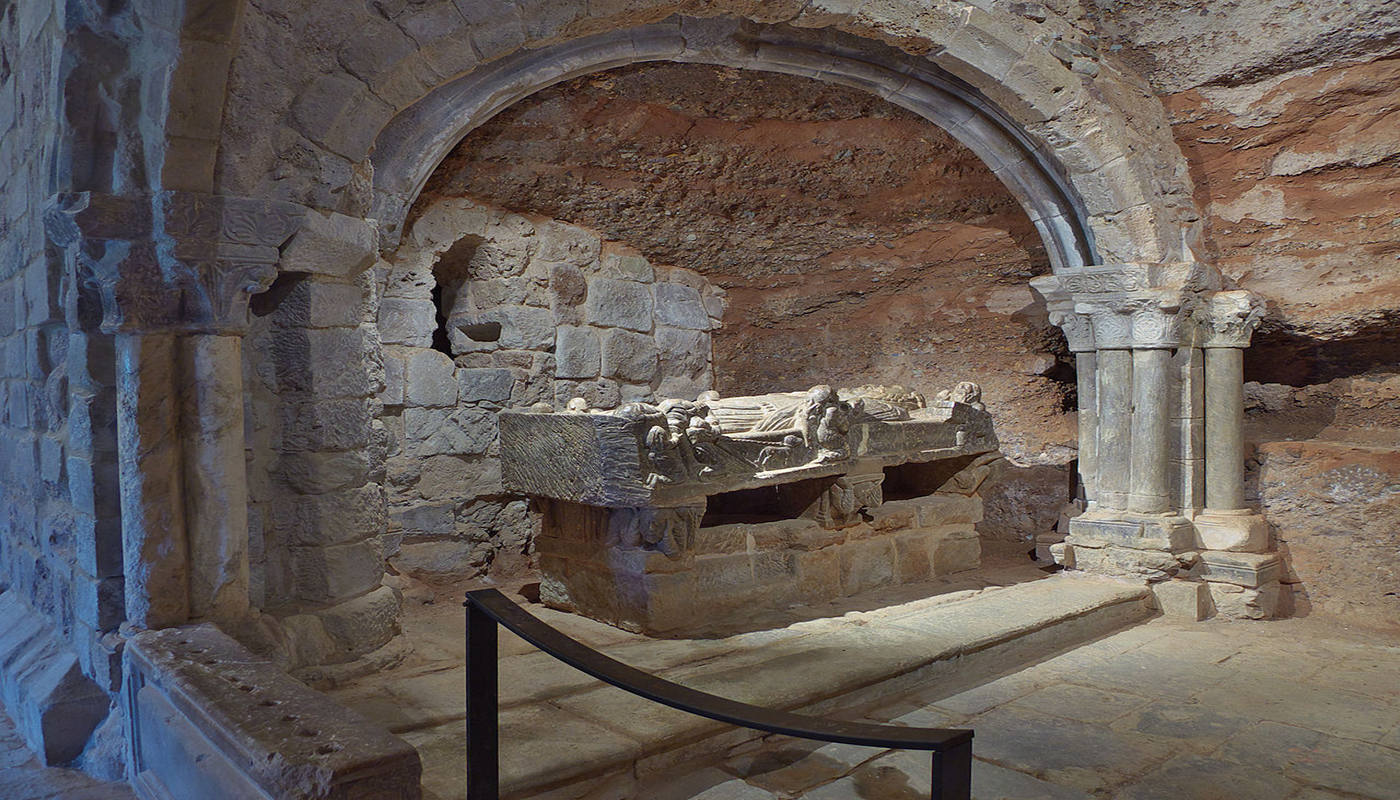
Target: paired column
column 173, row 272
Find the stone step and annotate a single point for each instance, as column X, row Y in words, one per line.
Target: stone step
column 587, row 738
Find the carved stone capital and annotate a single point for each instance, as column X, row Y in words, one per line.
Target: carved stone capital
column 1079, row 330
column 1227, row 319
column 1134, row 322
column 219, row 251
column 178, row 261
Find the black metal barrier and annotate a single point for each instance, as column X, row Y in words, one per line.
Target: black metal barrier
column 486, row 608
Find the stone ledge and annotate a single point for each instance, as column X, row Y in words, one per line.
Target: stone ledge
column 209, row 719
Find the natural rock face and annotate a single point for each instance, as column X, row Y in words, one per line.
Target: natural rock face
column 856, row 241
column 1334, row 507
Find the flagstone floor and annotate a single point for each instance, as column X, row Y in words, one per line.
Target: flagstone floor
column 1285, row 710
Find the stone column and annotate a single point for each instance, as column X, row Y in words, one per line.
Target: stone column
column 1114, row 377
column 1225, row 325
column 215, row 475
column 1149, row 483
column 1080, row 336
column 1224, row 372
column 155, row 550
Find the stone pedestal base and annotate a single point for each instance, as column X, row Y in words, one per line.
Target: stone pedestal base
column 1148, row 547
column 1243, row 531
column 1146, row 532
column 1242, row 585
column 660, row 572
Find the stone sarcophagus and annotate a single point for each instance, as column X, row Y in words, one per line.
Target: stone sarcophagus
column 687, row 516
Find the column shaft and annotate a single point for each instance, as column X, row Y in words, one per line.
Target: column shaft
column 155, row 550
column 1224, row 371
column 1086, row 366
column 1149, row 491
column 216, row 475
column 1115, row 395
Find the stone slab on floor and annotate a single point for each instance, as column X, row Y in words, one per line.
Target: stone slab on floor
column 560, row 729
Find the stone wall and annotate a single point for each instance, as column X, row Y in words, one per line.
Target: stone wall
column 60, row 528
column 482, row 310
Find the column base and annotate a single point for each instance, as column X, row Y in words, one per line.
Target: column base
column 1099, row 528
column 1242, row 531
column 1148, row 547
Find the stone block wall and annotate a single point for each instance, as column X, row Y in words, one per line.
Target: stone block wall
column 60, row 517
column 482, row 310
column 316, row 451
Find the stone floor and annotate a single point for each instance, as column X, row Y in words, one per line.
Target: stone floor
column 1285, row 710
column 23, row 778
column 562, row 729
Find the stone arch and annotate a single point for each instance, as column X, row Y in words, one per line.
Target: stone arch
column 416, row 141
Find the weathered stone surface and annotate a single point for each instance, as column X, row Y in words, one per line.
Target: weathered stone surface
column 1242, row 569
column 459, row 431
column 430, row 380
column 1333, row 506
column 488, row 386
column 332, row 244
column 629, row 356
column 1239, row 602
column 54, row 705
column 406, row 321
column 1189, row 601
column 680, row 307
column 337, row 516
column 190, row 677
column 578, row 353
column 438, row 560
column 427, row 519
column 337, row 572
column 619, row 304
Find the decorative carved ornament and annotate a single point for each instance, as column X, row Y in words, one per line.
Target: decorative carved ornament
column 1151, row 306
column 178, row 261
column 1135, row 322
column 1228, row 319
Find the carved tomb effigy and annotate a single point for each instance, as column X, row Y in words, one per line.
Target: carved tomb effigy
column 686, row 516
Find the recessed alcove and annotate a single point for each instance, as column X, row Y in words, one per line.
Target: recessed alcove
column 764, row 503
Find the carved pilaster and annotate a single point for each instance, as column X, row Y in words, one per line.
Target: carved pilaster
column 181, row 262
